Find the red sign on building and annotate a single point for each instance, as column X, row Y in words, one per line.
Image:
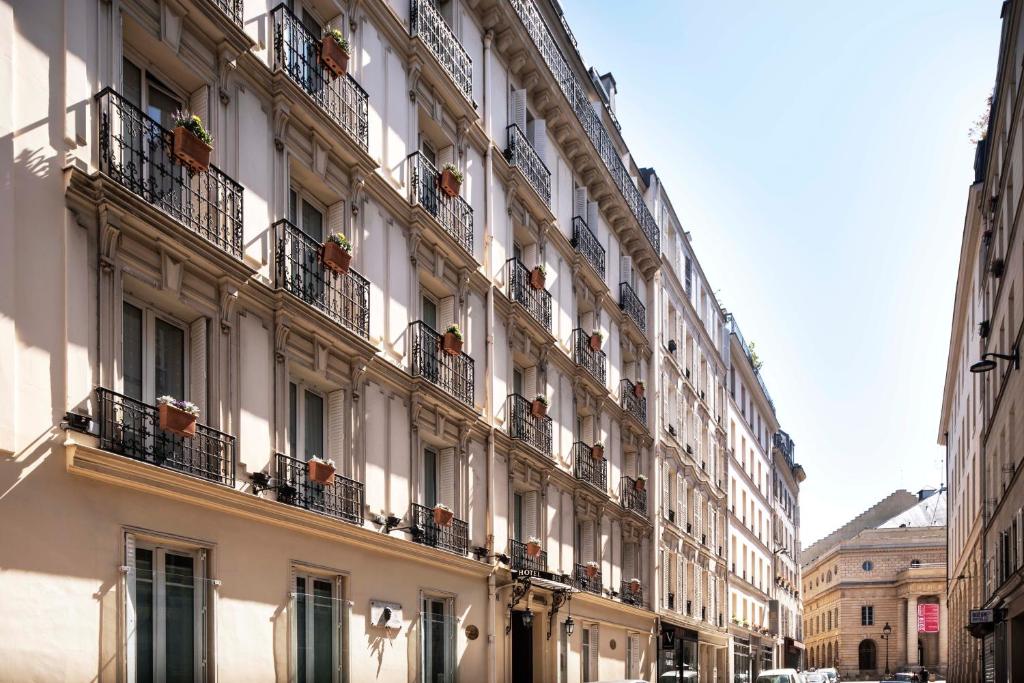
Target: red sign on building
column 928, row 618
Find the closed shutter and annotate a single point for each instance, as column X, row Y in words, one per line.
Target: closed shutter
column 446, row 476
column 336, row 426
column 445, row 155
column 625, row 269
column 587, row 542
column 666, row 577
column 530, row 256
column 587, row 430
column 595, row 644
column 199, row 103
column 445, row 313
column 698, row 598
column 682, row 502
column 592, row 216
column 518, row 113
column 579, row 206
column 666, row 413
column 698, row 513
column 539, row 138
column 634, row 655
column 628, row 562
column 530, row 383
column 335, row 218
column 131, row 608
column 666, row 502
column 529, row 515
column 198, row 367
column 680, row 584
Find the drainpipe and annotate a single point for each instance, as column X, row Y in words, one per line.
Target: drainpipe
column 492, row 673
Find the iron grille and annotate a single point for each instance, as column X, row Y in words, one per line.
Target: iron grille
column 453, row 538
column 631, row 403
column 521, row 154
column 587, row 468
column 232, row 8
column 630, row 595
column 631, row 498
column 454, row 214
column 522, row 561
column 523, row 426
column 427, row 23
column 342, row 499
column 629, row 302
column 585, row 242
column 593, row 361
column 584, row 582
column 536, row 301
column 452, row 374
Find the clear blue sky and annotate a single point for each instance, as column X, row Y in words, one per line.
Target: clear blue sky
column 818, row 152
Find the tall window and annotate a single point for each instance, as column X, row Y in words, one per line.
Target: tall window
column 867, row 615
column 438, row 640
column 305, row 423
column 320, row 633
column 154, row 351
column 429, row 477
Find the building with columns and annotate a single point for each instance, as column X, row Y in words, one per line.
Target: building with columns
column 874, row 597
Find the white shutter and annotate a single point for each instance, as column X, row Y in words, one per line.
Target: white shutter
column 335, row 219
column 131, row 606
column 628, row 562
column 682, row 502
column 445, row 155
column 698, row 598
column 197, row 367
column 634, row 655
column 592, row 216
column 666, row 501
column 539, row 139
column 530, row 515
column 199, row 103
column 445, row 313
column 595, row 644
column 666, row 577
column 680, row 584
column 530, row 256
column 587, row 431
column 530, row 383
column 712, row 597
column 336, row 426
column 697, row 514
column 518, row 113
column 579, row 206
column 446, row 475
column 587, row 542
column 625, row 268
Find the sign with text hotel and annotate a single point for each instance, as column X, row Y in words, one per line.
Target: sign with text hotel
column 928, row 618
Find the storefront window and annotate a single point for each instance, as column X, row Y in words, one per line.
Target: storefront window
column 741, row 661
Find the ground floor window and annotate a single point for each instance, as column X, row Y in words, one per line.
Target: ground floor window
column 741, row 661
column 438, row 644
column 319, row 626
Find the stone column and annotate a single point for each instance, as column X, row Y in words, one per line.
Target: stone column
column 943, row 632
column 912, row 631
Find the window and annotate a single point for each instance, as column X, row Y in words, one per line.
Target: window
column 439, row 477
column 589, row 653
column 867, row 615
column 165, row 612
column 868, row 565
column 632, row 656
column 319, row 626
column 438, row 645
column 305, row 423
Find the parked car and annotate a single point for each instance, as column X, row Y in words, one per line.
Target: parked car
column 779, row 676
column 903, row 676
column 678, row 677
column 831, row 673
column 814, row 677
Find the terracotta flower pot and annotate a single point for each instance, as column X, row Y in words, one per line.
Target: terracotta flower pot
column 597, row 452
column 443, row 517
column 591, row 572
column 537, row 278
column 595, row 342
column 451, row 344
column 533, row 549
column 640, row 484
column 191, row 151
column 638, row 390
column 448, row 183
column 333, row 57
column 335, row 258
column 538, row 408
column 177, row 421
column 320, row 472
column 634, row 586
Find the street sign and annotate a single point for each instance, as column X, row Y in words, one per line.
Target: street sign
column 983, row 616
column 928, row 618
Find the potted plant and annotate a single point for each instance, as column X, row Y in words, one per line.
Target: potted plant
column 538, row 276
column 597, row 450
column 539, row 407
column 451, row 342
column 336, row 253
column 177, row 417
column 443, row 515
column 320, row 470
column 641, row 482
column 638, row 388
column 533, row 546
column 596, row 340
column 192, row 143
column 450, row 180
column 634, row 584
column 590, row 569
column 334, row 52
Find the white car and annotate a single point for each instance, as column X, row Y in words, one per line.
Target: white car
column 814, row 677
column 779, row 676
column 830, row 673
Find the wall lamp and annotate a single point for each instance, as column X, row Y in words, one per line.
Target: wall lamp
column 986, row 363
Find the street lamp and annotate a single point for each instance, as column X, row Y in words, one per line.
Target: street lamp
column 986, row 363
column 886, row 632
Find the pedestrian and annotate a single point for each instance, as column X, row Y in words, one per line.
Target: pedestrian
column 924, row 675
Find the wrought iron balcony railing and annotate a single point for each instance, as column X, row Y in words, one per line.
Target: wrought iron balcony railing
column 523, row 426
column 594, row 361
column 631, row 595
column 344, row 298
column 630, row 303
column 522, row 561
column 231, row 8
column 132, row 428
column 297, row 53
column 631, row 498
column 536, row 301
column 454, row 214
column 587, row 468
column 631, row 403
column 342, row 499
column 453, row 538
column 452, row 374
column 581, row 104
column 521, row 154
column 587, row 245
column 584, row 582
column 427, row 23
column 136, row 152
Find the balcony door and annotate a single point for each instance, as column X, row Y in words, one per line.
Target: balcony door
column 304, row 254
column 145, row 157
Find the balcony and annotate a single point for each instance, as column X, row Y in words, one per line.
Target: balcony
column 520, row 154
column 523, row 426
column 630, row 304
column 135, row 151
column 630, row 498
column 631, row 403
column 297, row 54
column 132, row 428
column 536, row 301
column 344, row 298
column 453, row 538
column 630, row 596
column 584, row 582
column 342, row 499
column 593, row 361
column 453, row 214
column 452, row 374
column 426, row 23
column 232, row 9
column 589, row 469
column 585, row 242
column 521, row 560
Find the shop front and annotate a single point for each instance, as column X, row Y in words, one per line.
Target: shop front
column 678, row 653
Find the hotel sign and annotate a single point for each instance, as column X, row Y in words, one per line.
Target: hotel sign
column 928, row 618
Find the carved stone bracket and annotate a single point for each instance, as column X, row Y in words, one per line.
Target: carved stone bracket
column 228, row 298
column 282, row 328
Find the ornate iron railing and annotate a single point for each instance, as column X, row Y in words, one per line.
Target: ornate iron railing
column 297, row 53
column 523, row 426
column 522, row 561
column 630, row 303
column 454, row 538
column 631, row 403
column 576, row 94
column 584, row 582
column 521, row 154
column 588, row 468
column 132, row 428
column 631, row 596
column 536, row 301
column 430, row 26
column 136, row 151
column 630, row 497
column 344, row 298
column 232, row 8
column 342, row 499
column 453, row 374
column 587, row 245
column 583, row 355
column 454, row 214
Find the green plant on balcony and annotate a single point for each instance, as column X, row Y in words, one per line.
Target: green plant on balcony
column 320, row 470
column 590, row 569
column 192, row 143
column 539, row 407
column 335, row 52
column 533, row 546
column 451, row 342
column 596, row 340
column 597, row 451
column 336, row 253
column 450, row 179
column 443, row 515
column 538, row 276
column 177, row 416
column 641, row 482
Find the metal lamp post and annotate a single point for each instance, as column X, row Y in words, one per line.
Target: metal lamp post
column 886, row 632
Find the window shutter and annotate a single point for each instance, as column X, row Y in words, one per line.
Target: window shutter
column 518, row 113
column 587, row 431
column 698, row 597
column 530, row 256
column 202, row 635
column 579, row 206
column 529, row 515
column 539, row 139
column 680, row 584
column 197, row 367
column 634, row 655
column 530, row 383
column 595, row 644
column 336, row 426
column 199, row 103
column 666, row 577
column 446, row 155
column 445, row 313
column 446, row 477
column 592, row 216
column 666, row 502
column 131, row 606
column 625, row 269
column 628, row 562
column 587, row 541
column 697, row 513
column 341, row 619
column 336, row 218
column 682, row 502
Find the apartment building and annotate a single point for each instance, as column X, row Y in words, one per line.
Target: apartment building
column 690, row 459
column 786, row 608
column 369, row 493
column 752, row 424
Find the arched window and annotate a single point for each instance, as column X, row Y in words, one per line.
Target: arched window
column 828, row 655
column 866, row 655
